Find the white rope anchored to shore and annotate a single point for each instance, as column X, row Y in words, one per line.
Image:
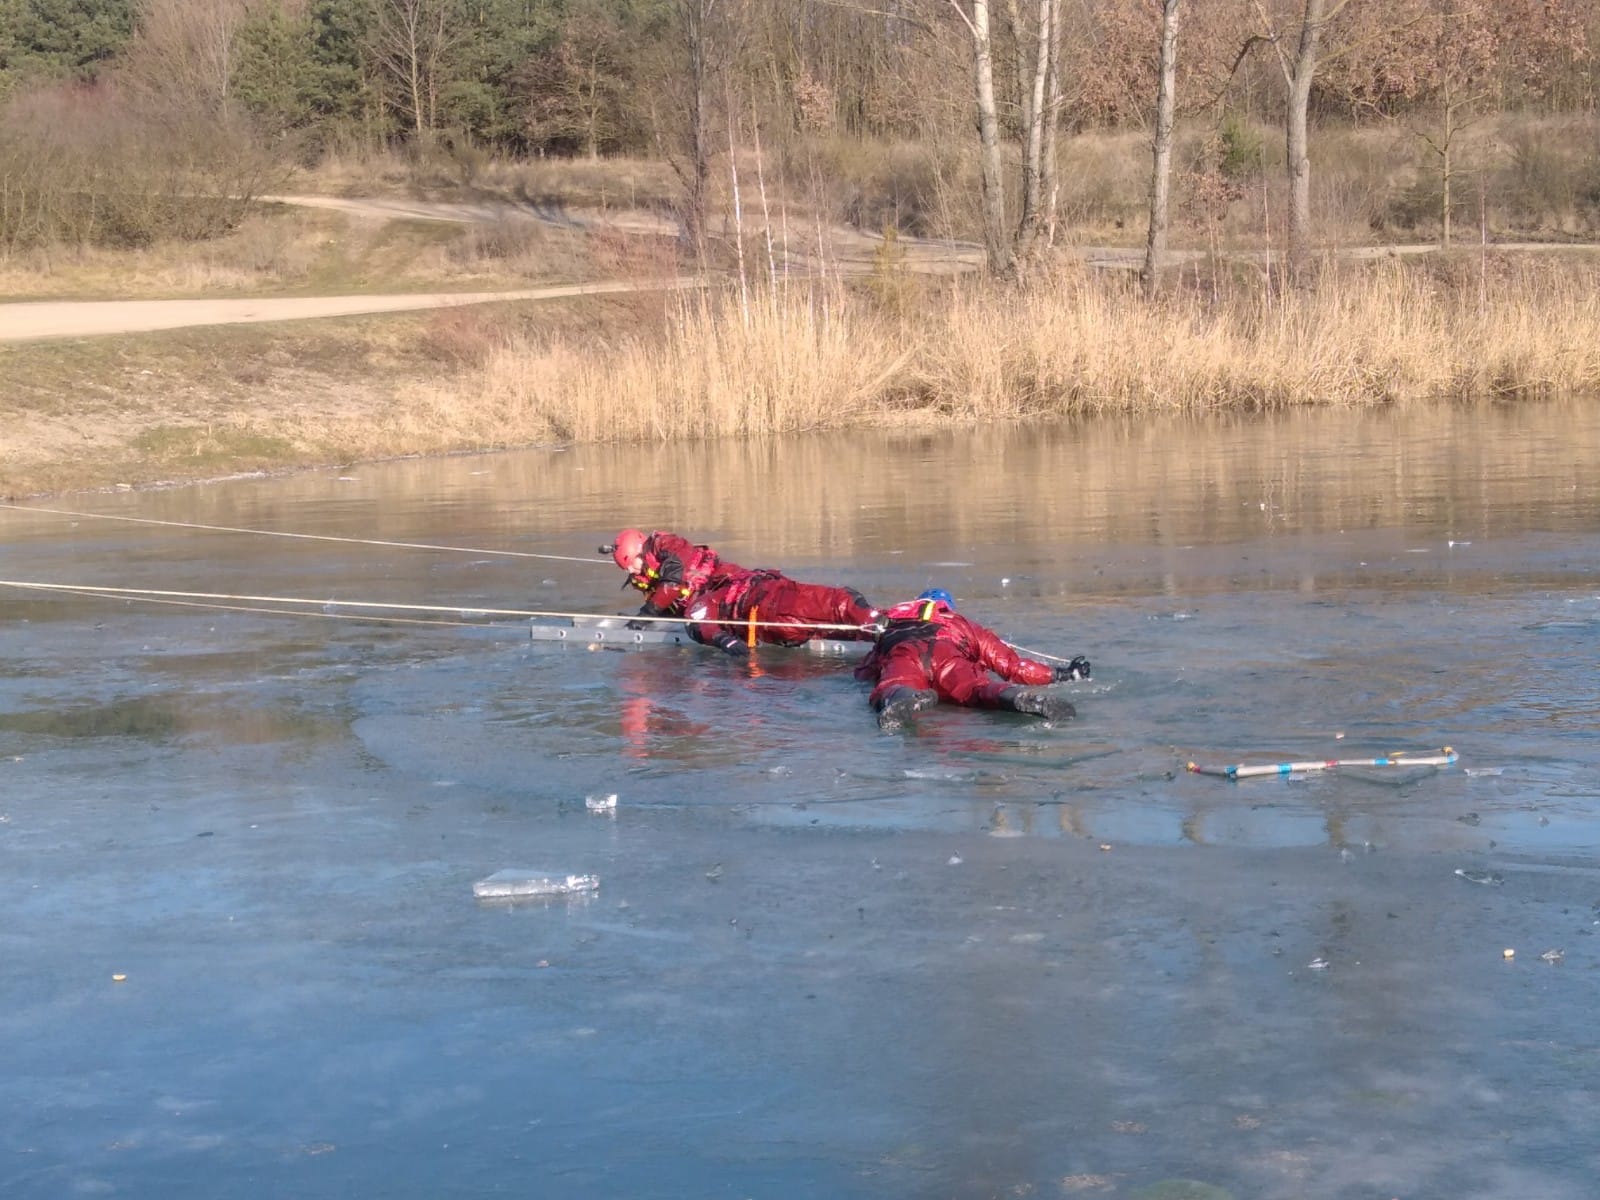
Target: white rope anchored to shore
column 130, row 593
column 313, row 537
column 289, row 612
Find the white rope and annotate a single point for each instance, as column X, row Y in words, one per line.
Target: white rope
column 289, row 612
column 85, row 589
column 1039, row 654
column 314, row 537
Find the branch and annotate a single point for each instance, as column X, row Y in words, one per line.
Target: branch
column 1250, row 44
column 1329, row 56
column 1271, row 38
column 876, row 12
column 965, row 20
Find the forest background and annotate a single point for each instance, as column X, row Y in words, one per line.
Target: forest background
column 742, row 141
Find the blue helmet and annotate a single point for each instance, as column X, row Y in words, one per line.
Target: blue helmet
column 940, row 596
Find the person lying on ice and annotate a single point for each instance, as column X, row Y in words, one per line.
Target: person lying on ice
column 928, row 652
column 779, row 611
column 668, row 569
column 674, row 573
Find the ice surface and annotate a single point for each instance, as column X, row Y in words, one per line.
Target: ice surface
column 791, row 950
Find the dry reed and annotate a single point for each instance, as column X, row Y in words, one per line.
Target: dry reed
column 1069, row 343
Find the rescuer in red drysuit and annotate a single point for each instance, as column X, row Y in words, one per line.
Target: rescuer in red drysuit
column 928, row 652
column 784, row 612
column 668, row 569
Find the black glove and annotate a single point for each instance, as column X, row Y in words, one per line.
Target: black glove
column 730, row 643
column 645, row 610
column 1078, row 668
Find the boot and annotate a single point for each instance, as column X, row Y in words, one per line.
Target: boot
column 899, row 705
column 1038, row 702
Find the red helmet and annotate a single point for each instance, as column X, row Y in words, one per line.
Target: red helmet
column 627, row 549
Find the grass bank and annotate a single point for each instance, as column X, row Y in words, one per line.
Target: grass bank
column 281, row 250
column 896, row 350
column 202, row 403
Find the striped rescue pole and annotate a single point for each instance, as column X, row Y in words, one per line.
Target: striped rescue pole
column 1400, row 758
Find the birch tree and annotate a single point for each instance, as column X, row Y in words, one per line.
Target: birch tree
column 1054, row 99
column 1161, row 173
column 1038, row 115
column 184, row 51
column 997, row 244
column 410, row 41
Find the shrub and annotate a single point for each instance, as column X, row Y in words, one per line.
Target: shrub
column 1243, row 148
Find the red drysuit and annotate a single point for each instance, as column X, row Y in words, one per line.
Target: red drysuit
column 768, row 596
column 928, row 645
column 675, row 569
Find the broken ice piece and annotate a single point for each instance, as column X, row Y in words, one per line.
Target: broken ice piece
column 1484, row 770
column 514, row 882
column 1488, row 877
column 606, row 803
column 1553, row 956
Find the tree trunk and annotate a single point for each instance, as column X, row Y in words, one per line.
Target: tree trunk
column 1445, row 164
column 1166, row 104
column 695, row 17
column 996, row 242
column 1296, row 140
column 1048, row 185
column 1035, row 109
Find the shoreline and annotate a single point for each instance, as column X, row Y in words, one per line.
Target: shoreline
column 179, row 407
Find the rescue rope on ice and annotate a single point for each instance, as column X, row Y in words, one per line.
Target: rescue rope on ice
column 130, row 593
column 313, row 537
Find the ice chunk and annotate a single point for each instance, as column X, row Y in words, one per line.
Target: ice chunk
column 606, row 803
column 514, row 882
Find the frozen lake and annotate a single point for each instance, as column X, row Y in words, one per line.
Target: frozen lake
column 242, row 957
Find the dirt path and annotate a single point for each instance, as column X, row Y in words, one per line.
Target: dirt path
column 36, row 320
column 848, row 251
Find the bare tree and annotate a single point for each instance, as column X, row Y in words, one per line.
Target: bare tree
column 1462, row 53
column 1160, row 176
column 997, row 244
column 409, row 41
column 1299, row 69
column 1037, row 114
column 183, row 51
column 576, row 90
column 704, row 34
column 1055, row 98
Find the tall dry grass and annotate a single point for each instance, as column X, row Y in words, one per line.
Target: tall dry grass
column 1067, row 344
column 783, row 362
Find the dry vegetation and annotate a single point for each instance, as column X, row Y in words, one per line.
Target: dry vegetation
column 889, row 346
column 905, row 351
column 1062, row 345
